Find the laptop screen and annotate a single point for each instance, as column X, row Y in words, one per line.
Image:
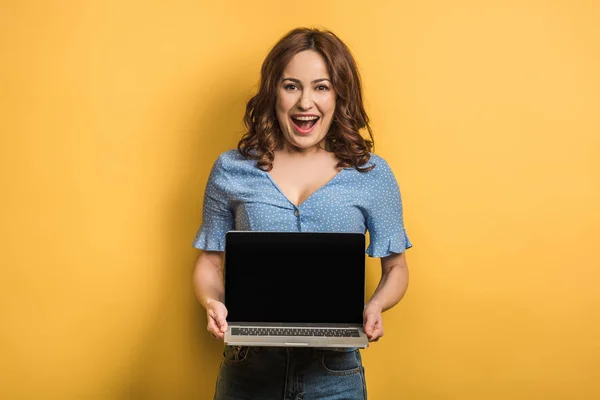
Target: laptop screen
column 299, row 277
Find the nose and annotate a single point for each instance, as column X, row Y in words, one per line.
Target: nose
column 305, row 101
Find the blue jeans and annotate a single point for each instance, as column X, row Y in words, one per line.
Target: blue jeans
column 290, row 374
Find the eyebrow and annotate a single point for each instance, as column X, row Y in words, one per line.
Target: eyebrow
column 298, row 80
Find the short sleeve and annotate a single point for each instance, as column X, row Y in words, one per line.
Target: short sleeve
column 217, row 215
column 385, row 222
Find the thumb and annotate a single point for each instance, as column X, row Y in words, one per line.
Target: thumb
column 221, row 321
column 369, row 324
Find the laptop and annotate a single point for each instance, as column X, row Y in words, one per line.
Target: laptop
column 295, row 289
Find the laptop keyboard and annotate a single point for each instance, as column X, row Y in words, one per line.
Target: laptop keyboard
column 344, row 332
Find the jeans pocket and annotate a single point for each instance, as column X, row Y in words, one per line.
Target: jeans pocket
column 341, row 362
column 236, row 355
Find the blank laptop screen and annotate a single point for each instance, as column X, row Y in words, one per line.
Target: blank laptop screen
column 275, row 277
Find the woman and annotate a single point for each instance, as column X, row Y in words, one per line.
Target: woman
column 302, row 166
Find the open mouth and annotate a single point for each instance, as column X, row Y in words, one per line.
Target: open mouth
column 304, row 124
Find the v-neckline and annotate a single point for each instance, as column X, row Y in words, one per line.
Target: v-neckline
column 310, row 196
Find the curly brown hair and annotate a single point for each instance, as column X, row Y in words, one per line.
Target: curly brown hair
column 264, row 134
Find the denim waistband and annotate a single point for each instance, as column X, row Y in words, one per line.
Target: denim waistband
column 305, row 350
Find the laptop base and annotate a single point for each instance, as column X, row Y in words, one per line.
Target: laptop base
column 296, row 341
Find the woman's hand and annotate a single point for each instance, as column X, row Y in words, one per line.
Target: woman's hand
column 391, row 288
column 216, row 314
column 373, row 322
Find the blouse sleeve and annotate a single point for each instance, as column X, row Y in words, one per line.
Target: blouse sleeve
column 217, row 215
column 384, row 216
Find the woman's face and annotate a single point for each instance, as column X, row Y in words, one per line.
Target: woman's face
column 305, row 101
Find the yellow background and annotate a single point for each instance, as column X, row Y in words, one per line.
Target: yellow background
column 112, row 112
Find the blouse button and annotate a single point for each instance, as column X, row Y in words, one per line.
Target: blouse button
column 297, row 212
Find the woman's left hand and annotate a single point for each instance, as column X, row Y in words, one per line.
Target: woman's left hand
column 372, row 321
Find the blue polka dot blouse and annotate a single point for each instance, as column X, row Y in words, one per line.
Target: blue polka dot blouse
column 240, row 196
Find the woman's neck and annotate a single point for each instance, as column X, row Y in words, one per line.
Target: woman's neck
column 294, row 151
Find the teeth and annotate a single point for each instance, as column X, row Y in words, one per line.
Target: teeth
column 307, row 118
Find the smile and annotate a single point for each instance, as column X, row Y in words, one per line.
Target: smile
column 304, row 124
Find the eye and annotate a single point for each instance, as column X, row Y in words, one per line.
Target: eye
column 322, row 87
column 290, row 86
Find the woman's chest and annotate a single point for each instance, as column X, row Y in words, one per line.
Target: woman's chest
column 298, row 182
column 339, row 205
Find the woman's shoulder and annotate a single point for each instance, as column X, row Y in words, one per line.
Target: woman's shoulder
column 233, row 161
column 375, row 159
column 379, row 164
column 380, row 174
column 231, row 155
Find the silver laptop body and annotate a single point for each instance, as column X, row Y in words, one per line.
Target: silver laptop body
column 302, row 289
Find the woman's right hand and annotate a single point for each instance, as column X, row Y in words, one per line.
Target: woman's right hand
column 216, row 314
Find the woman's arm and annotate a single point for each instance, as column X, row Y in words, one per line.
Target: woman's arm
column 391, row 288
column 208, row 285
